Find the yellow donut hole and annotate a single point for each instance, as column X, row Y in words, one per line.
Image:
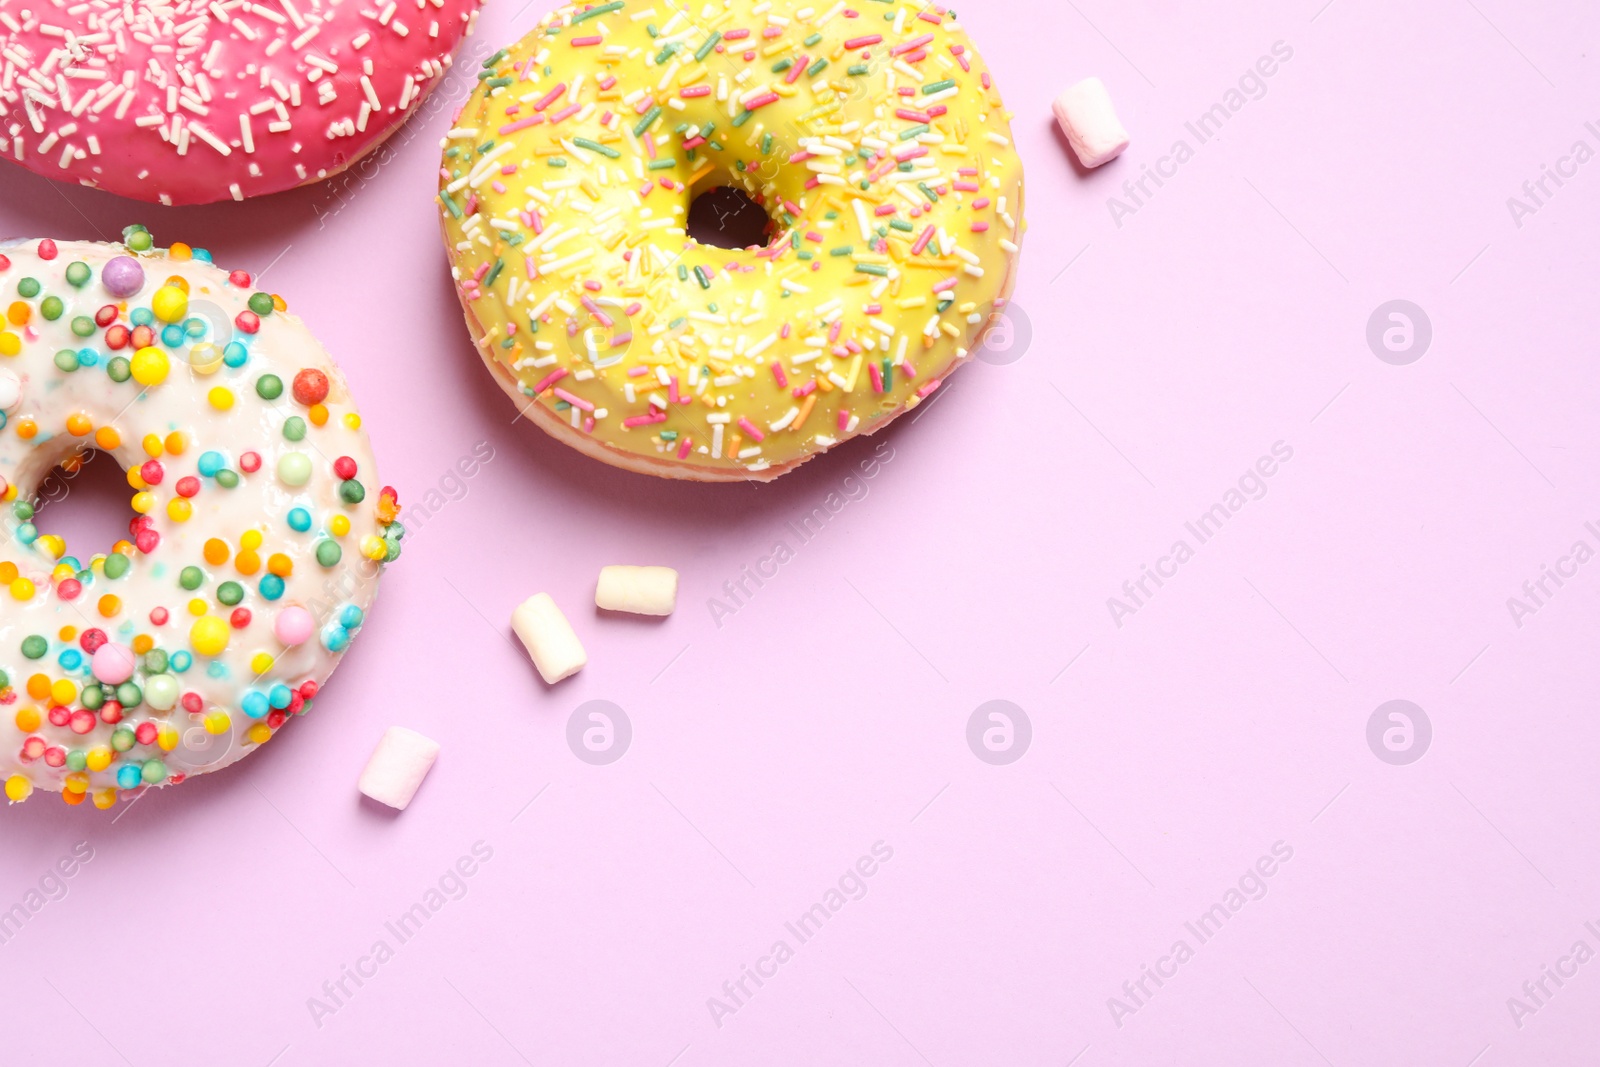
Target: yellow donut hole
column 217, row 721
column 10, row 343
column 250, row 539
column 22, row 589
column 197, row 607
column 339, row 525
column 151, row 445
column 63, row 692
column 179, row 509
column 221, row 398
column 261, row 663
column 374, row 548
column 170, row 303
column 18, row 788
column 166, row 737
column 150, row 366
column 260, row 733
column 209, row 635
column 98, row 758
column 143, row 502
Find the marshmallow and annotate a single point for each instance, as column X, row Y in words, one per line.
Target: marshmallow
column 1090, row 122
column 640, row 590
column 397, row 767
column 548, row 637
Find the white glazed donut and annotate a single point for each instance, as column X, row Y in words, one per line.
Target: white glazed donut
column 258, row 536
column 190, row 101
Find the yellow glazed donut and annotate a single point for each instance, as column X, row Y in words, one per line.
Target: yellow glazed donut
column 868, row 130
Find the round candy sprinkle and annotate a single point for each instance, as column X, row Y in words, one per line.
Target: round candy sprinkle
column 209, row 635
column 310, row 387
column 113, row 663
column 150, row 366
column 170, row 304
column 161, row 692
column 294, row 625
column 294, row 468
column 269, row 387
column 122, row 276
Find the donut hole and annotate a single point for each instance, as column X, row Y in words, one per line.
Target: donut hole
column 84, row 501
column 725, row 216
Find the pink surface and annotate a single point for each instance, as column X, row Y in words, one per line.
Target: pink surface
column 772, row 746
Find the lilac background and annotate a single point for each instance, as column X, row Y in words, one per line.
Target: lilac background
column 830, row 711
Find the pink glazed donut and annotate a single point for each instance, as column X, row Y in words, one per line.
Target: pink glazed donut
column 190, row 101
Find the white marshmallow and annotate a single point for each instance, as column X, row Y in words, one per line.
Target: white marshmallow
column 397, row 767
column 1090, row 122
column 640, row 590
column 548, row 637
